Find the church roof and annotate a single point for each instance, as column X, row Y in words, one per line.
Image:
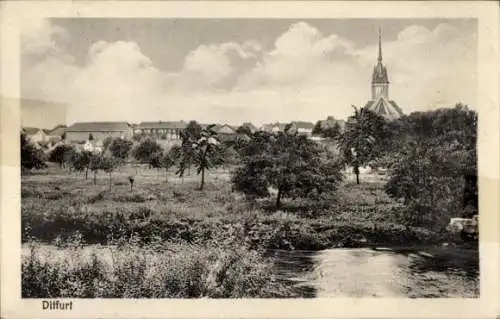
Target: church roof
column 384, row 107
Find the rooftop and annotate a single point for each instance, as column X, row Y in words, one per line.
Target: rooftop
column 162, row 125
column 99, row 127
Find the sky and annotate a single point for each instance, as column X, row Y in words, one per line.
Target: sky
column 239, row 70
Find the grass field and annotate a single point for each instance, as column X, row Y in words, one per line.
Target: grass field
column 166, row 238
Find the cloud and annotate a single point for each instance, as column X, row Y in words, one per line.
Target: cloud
column 305, row 75
column 302, row 56
column 39, row 36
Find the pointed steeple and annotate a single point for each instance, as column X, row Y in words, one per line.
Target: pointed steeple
column 380, row 72
column 380, row 102
column 379, row 45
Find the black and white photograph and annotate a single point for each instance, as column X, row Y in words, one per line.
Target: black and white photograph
column 235, row 158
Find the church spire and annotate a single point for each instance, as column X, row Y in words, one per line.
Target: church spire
column 379, row 45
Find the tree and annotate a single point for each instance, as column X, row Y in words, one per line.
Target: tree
column 31, row 157
column 200, row 152
column 80, row 161
column 244, row 129
column 63, row 136
column 95, row 165
column 364, row 138
column 146, row 151
column 435, row 168
column 167, row 160
column 60, row 154
column 120, row 148
column 91, row 137
column 108, row 164
column 317, row 129
column 107, row 142
column 193, row 130
column 290, row 163
column 332, row 132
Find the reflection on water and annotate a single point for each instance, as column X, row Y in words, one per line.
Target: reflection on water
column 382, row 272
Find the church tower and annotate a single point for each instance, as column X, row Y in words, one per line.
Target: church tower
column 380, row 102
column 380, row 81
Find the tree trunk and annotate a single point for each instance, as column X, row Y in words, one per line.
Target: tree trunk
column 166, row 175
column 356, row 171
column 95, row 177
column 110, row 181
column 202, row 179
column 86, row 173
column 278, row 199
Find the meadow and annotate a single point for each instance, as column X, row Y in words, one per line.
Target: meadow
column 164, row 238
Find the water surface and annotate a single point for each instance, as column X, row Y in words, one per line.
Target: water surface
column 382, row 272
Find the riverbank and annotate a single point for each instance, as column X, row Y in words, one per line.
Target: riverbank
column 357, row 216
column 166, row 228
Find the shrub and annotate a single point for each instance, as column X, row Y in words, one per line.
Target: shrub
column 138, row 272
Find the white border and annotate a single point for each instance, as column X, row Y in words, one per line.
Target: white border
column 12, row 306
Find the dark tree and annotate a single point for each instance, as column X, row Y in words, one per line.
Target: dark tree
column 243, row 129
column 108, row 164
column 292, row 164
column 120, row 148
column 200, row 152
column 91, row 137
column 332, row 132
column 107, row 142
column 435, row 165
column 317, row 129
column 31, row 157
column 95, row 165
column 59, row 154
column 364, row 139
column 193, row 130
column 146, row 151
column 80, row 161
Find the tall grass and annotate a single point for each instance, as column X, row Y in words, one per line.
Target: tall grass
column 179, row 271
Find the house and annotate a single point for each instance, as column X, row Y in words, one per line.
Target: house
column 81, row 131
column 56, row 134
column 35, row 135
column 225, row 132
column 302, row 128
column 160, row 129
column 273, row 127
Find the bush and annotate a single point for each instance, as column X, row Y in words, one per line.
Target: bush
column 182, row 271
column 435, row 158
column 31, row 157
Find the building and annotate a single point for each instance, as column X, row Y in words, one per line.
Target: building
column 274, row 127
column 56, row 134
column 35, row 135
column 81, row 131
column 380, row 102
column 225, row 132
column 161, row 130
column 303, row 128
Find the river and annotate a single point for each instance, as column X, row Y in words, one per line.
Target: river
column 423, row 272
